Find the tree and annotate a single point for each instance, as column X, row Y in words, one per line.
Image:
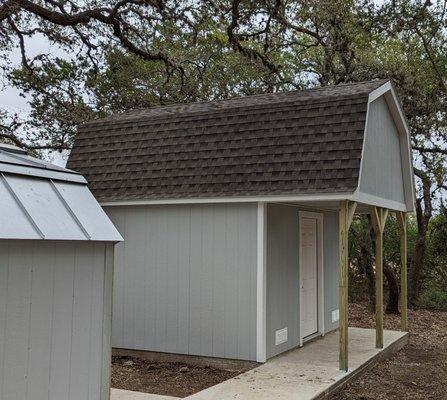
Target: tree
column 137, row 53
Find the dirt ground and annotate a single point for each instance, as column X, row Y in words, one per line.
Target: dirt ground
column 417, row 372
column 179, row 379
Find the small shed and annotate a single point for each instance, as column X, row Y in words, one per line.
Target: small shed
column 235, row 214
column 56, row 269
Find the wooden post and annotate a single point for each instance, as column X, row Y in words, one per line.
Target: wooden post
column 402, row 224
column 347, row 210
column 379, row 216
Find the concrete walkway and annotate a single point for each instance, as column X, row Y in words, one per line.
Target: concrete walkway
column 310, row 372
column 118, row 394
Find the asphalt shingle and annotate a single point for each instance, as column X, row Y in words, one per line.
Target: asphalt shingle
column 273, row 144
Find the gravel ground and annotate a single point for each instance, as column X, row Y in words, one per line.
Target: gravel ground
column 417, row 372
column 168, row 378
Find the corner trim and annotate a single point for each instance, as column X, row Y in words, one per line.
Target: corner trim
column 261, row 284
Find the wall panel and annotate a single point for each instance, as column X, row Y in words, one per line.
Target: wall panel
column 186, row 279
column 51, row 320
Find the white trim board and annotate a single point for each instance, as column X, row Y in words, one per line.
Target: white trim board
column 248, row 199
column 261, row 284
column 369, row 199
column 320, row 227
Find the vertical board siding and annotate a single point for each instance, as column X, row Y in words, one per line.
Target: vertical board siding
column 16, row 340
column 282, row 276
column 63, row 278
column 185, row 279
column 107, row 297
column 331, row 274
column 51, row 313
column 4, row 278
column 381, row 173
column 283, row 308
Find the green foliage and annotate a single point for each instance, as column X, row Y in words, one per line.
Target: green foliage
column 434, row 290
column 433, row 298
column 361, row 252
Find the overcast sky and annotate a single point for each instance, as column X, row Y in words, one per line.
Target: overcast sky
column 9, row 97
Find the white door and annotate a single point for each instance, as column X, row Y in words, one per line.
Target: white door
column 309, row 276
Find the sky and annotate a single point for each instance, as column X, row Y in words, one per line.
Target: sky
column 10, row 98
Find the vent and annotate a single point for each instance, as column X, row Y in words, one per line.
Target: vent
column 280, row 336
column 335, row 315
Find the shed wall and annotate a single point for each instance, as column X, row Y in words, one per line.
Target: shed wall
column 381, row 173
column 283, row 308
column 51, row 319
column 185, row 279
column 282, row 276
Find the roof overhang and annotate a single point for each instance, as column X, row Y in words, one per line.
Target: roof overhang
column 308, row 200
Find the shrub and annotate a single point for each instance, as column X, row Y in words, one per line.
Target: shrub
column 433, row 298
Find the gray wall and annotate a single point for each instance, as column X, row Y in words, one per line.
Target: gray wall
column 283, row 274
column 185, row 279
column 382, row 164
column 51, row 320
column 331, row 270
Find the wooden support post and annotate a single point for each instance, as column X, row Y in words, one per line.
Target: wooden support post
column 379, row 216
column 347, row 210
column 402, row 224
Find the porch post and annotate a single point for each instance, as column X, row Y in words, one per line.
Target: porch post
column 402, row 224
column 346, row 213
column 379, row 216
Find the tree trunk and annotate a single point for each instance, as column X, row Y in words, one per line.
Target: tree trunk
column 417, row 260
column 368, row 268
column 393, row 290
column 415, row 273
column 367, row 255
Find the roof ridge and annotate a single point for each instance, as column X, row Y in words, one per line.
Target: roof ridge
column 139, row 112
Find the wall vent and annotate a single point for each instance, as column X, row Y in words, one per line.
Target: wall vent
column 280, row 336
column 335, row 315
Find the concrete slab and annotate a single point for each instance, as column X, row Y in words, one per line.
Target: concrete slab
column 310, row 372
column 119, row 394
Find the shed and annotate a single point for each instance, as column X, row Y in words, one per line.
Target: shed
column 56, row 270
column 236, row 212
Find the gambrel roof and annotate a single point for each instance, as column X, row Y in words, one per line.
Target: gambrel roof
column 299, row 142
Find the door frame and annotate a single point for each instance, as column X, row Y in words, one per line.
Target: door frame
column 320, row 273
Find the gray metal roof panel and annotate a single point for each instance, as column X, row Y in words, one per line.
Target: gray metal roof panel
column 48, row 203
column 89, row 213
column 23, row 164
column 14, row 222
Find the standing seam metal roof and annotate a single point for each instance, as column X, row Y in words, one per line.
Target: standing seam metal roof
column 41, row 201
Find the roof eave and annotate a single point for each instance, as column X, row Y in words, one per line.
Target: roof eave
column 232, row 199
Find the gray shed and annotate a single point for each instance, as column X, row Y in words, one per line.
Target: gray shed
column 56, row 270
column 233, row 214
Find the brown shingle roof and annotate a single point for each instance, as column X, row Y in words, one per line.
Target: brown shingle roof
column 274, row 144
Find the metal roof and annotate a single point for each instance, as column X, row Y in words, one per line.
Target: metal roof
column 42, row 201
